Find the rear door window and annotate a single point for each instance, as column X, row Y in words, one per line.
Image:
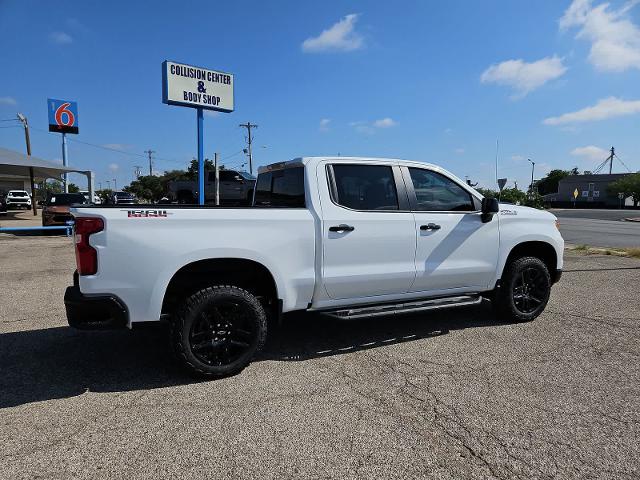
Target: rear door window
column 365, row 187
column 281, row 188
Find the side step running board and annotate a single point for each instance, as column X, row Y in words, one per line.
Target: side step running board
column 406, row 307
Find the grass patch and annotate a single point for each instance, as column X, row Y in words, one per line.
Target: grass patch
column 634, row 252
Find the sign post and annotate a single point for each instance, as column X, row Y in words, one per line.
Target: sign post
column 200, row 117
column 202, row 89
column 63, row 118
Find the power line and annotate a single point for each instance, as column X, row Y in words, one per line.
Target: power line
column 625, row 166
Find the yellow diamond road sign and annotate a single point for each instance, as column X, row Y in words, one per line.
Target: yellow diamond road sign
column 575, row 193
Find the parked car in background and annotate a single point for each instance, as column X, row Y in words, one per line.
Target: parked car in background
column 56, row 208
column 96, row 199
column 18, row 199
column 236, row 187
column 123, row 198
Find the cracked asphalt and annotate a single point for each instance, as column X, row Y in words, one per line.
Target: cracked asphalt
column 450, row 395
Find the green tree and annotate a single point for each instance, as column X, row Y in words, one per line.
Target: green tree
column 629, row 185
column 549, row 183
column 104, row 194
column 147, row 187
column 73, row 188
column 192, row 170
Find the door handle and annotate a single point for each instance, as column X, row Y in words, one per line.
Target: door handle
column 430, row 226
column 343, row 227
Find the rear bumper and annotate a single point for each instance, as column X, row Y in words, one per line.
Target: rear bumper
column 94, row 312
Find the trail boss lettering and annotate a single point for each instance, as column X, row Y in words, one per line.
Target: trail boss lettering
column 146, row 213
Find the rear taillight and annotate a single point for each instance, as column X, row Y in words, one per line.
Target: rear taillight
column 86, row 255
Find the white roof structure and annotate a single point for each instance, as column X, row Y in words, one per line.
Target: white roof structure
column 19, row 164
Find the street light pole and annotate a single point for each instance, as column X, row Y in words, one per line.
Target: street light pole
column 533, row 166
column 27, row 139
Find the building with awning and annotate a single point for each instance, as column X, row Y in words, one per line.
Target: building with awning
column 21, row 172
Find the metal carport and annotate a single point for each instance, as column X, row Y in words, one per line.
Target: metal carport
column 37, row 169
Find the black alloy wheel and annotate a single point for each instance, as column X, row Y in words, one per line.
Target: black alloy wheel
column 524, row 290
column 218, row 331
column 222, row 333
column 529, row 290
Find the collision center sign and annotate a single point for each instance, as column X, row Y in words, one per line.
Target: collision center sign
column 191, row 86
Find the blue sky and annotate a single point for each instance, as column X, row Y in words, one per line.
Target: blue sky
column 554, row 81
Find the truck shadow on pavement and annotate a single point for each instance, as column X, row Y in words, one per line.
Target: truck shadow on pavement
column 60, row 362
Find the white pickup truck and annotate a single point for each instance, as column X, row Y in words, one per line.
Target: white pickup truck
column 351, row 237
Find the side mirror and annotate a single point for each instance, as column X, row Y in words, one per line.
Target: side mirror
column 489, row 207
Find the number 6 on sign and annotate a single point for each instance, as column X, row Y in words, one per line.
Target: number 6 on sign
column 63, row 116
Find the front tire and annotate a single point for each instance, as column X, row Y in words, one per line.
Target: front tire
column 218, row 331
column 524, row 291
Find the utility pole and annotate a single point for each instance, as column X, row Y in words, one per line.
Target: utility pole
column 115, row 185
column 108, row 185
column 27, row 139
column 533, row 166
column 613, row 153
column 138, row 171
column 249, row 126
column 149, row 152
column 100, row 185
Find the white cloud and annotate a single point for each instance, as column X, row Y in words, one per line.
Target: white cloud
column 459, row 151
column 61, row 38
column 524, row 77
column 591, row 153
column 448, row 131
column 615, row 39
column 324, row 124
column 384, row 123
column 341, row 37
column 517, row 158
column 605, row 108
column 117, row 146
column 212, row 113
column 114, row 167
column 371, row 127
column 8, row 101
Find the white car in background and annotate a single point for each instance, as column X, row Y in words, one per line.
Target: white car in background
column 18, row 198
column 96, row 199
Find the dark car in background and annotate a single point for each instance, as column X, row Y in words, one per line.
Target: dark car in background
column 3, row 203
column 56, row 209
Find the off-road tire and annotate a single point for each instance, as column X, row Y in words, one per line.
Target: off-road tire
column 508, row 301
column 204, row 303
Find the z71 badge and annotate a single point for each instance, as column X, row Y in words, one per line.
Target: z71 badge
column 146, row 213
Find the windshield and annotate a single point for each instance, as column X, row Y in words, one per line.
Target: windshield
column 124, row 195
column 18, row 194
column 66, row 199
column 246, row 175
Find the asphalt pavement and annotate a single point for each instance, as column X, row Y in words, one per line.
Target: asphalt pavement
column 451, row 395
column 599, row 228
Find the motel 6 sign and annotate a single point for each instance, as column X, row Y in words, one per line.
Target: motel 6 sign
column 63, row 116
